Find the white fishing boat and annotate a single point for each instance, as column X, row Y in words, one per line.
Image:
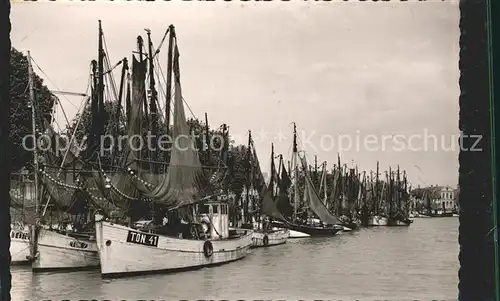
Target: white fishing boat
column 19, row 246
column 128, row 251
column 189, row 227
column 52, row 249
column 58, row 250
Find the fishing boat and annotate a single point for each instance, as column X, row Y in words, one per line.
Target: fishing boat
column 349, row 197
column 188, row 227
column 312, row 206
column 348, row 223
column 280, row 209
column 430, row 212
column 378, row 215
column 399, row 199
column 63, row 236
column 264, row 235
column 61, row 250
column 378, row 220
column 267, row 237
column 137, row 250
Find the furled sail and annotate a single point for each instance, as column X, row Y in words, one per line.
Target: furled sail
column 122, row 187
column 284, row 184
column 315, row 203
column 258, row 180
column 179, row 186
column 269, row 206
column 270, row 200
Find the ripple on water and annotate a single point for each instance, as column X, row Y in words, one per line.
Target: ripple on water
column 419, row 262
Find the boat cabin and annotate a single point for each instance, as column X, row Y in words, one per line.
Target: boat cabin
column 216, row 214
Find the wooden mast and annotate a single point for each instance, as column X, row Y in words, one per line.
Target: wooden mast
column 247, row 198
column 398, row 191
column 128, row 102
column 390, row 194
column 273, row 170
column 34, row 229
column 376, row 205
column 206, row 145
column 123, row 80
column 315, row 170
column 152, row 103
column 296, row 172
column 94, row 108
column 33, row 128
column 168, row 93
column 100, row 84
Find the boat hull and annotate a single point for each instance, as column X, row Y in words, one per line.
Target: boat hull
column 315, row 231
column 377, row 220
column 120, row 256
column 19, row 247
column 271, row 238
column 56, row 251
column 293, row 233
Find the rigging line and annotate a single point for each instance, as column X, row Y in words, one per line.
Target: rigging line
column 110, row 78
column 122, row 108
column 78, row 109
column 50, row 80
column 162, row 91
column 159, row 83
column 189, row 108
column 173, row 94
column 162, row 41
column 110, row 69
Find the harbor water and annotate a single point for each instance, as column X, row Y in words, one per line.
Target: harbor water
column 419, row 262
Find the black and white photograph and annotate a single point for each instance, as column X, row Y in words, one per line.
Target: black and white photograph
column 237, row 150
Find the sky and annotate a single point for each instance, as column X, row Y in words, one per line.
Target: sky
column 373, row 81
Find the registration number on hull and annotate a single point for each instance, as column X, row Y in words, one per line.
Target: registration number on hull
column 142, row 238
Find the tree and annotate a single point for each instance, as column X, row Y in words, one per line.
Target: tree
column 20, row 111
column 5, row 157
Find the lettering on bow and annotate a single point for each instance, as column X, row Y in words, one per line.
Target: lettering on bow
column 142, row 238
